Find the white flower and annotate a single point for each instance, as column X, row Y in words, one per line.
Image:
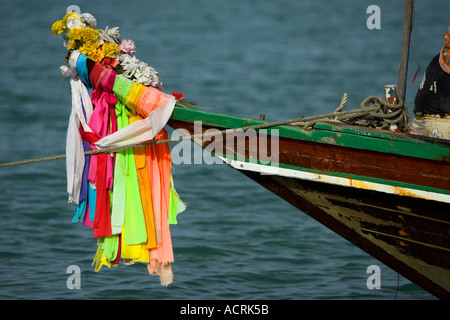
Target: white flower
column 138, row 71
column 129, row 64
column 74, row 23
column 110, row 35
column 146, row 75
column 89, row 19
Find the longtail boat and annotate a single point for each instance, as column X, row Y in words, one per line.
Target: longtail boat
column 386, row 191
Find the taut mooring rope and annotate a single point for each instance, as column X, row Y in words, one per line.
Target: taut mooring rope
column 369, row 107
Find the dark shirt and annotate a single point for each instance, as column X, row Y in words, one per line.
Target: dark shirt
column 433, row 95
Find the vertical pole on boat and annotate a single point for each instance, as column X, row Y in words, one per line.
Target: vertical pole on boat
column 403, row 69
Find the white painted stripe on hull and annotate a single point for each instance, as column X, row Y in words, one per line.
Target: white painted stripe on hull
column 341, row 181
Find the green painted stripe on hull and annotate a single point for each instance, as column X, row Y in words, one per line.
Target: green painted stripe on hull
column 389, row 142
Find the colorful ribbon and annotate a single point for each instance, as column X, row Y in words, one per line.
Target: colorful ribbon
column 127, row 197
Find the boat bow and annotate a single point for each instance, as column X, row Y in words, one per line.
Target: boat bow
column 386, row 192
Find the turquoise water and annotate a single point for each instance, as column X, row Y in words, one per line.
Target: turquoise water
column 280, row 58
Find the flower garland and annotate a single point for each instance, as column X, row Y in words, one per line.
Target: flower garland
column 105, row 46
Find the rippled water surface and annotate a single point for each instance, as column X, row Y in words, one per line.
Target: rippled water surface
column 280, row 58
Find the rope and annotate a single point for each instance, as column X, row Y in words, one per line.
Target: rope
column 368, row 107
column 18, row 163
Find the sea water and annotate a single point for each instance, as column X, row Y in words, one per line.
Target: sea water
column 236, row 240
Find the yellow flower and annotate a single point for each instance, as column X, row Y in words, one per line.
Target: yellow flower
column 88, row 49
column 72, row 45
column 58, row 27
column 76, row 33
column 110, row 49
column 97, row 55
column 72, row 15
column 90, row 35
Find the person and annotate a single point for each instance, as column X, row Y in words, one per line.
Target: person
column 432, row 102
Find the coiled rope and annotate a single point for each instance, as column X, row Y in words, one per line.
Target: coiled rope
column 378, row 108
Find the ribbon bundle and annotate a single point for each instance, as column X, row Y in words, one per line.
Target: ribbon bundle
column 127, row 197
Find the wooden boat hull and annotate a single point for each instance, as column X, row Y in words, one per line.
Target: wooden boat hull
column 387, row 193
column 399, row 231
